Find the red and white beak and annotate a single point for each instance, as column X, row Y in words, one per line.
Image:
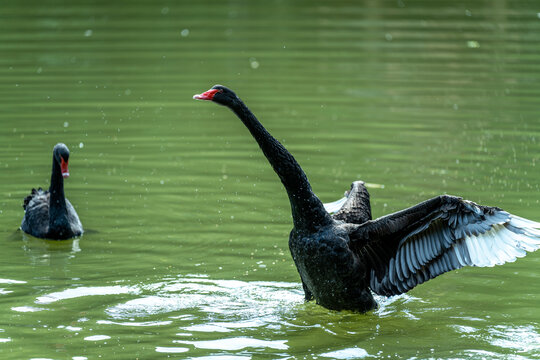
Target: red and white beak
column 64, row 167
column 207, row 95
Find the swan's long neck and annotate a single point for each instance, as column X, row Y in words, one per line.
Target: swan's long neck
column 307, row 210
column 57, row 200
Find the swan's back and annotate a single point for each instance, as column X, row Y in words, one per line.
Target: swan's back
column 36, row 213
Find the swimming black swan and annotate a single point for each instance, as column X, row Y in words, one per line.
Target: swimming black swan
column 48, row 214
column 341, row 257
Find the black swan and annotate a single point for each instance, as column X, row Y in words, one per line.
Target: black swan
column 48, row 214
column 345, row 256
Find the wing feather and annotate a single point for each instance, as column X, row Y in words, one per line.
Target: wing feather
column 440, row 235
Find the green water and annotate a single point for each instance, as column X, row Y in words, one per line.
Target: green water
column 185, row 254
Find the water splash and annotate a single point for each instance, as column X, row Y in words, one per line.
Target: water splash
column 245, row 300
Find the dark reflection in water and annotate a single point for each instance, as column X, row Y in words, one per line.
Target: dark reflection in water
column 50, row 252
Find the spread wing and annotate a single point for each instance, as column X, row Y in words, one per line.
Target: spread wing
column 445, row 233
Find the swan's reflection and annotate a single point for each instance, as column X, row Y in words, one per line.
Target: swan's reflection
column 50, row 252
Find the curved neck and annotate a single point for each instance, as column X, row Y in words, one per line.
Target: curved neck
column 307, row 210
column 57, row 200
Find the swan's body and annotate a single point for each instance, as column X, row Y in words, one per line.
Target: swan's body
column 48, row 214
column 344, row 256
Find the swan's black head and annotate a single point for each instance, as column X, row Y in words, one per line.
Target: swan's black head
column 61, row 156
column 219, row 94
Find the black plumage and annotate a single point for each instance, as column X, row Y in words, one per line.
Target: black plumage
column 48, row 214
column 345, row 256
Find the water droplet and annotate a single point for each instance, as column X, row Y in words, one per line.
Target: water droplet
column 253, row 63
column 66, row 124
column 473, row 44
column 184, row 32
column 88, row 33
column 81, row 145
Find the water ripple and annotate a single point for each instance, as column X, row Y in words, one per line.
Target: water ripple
column 11, row 281
column 171, row 350
column 97, row 338
column 221, row 357
column 521, row 338
column 237, row 343
column 352, row 353
column 229, row 297
column 27, row 309
column 135, row 323
column 84, row 291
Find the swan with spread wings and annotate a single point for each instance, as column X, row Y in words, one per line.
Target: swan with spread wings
column 343, row 256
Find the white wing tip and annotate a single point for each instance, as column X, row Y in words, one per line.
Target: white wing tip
column 504, row 242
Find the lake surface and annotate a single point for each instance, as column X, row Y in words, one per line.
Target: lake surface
column 185, row 253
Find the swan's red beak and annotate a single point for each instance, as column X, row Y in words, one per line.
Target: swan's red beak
column 207, row 95
column 64, row 167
